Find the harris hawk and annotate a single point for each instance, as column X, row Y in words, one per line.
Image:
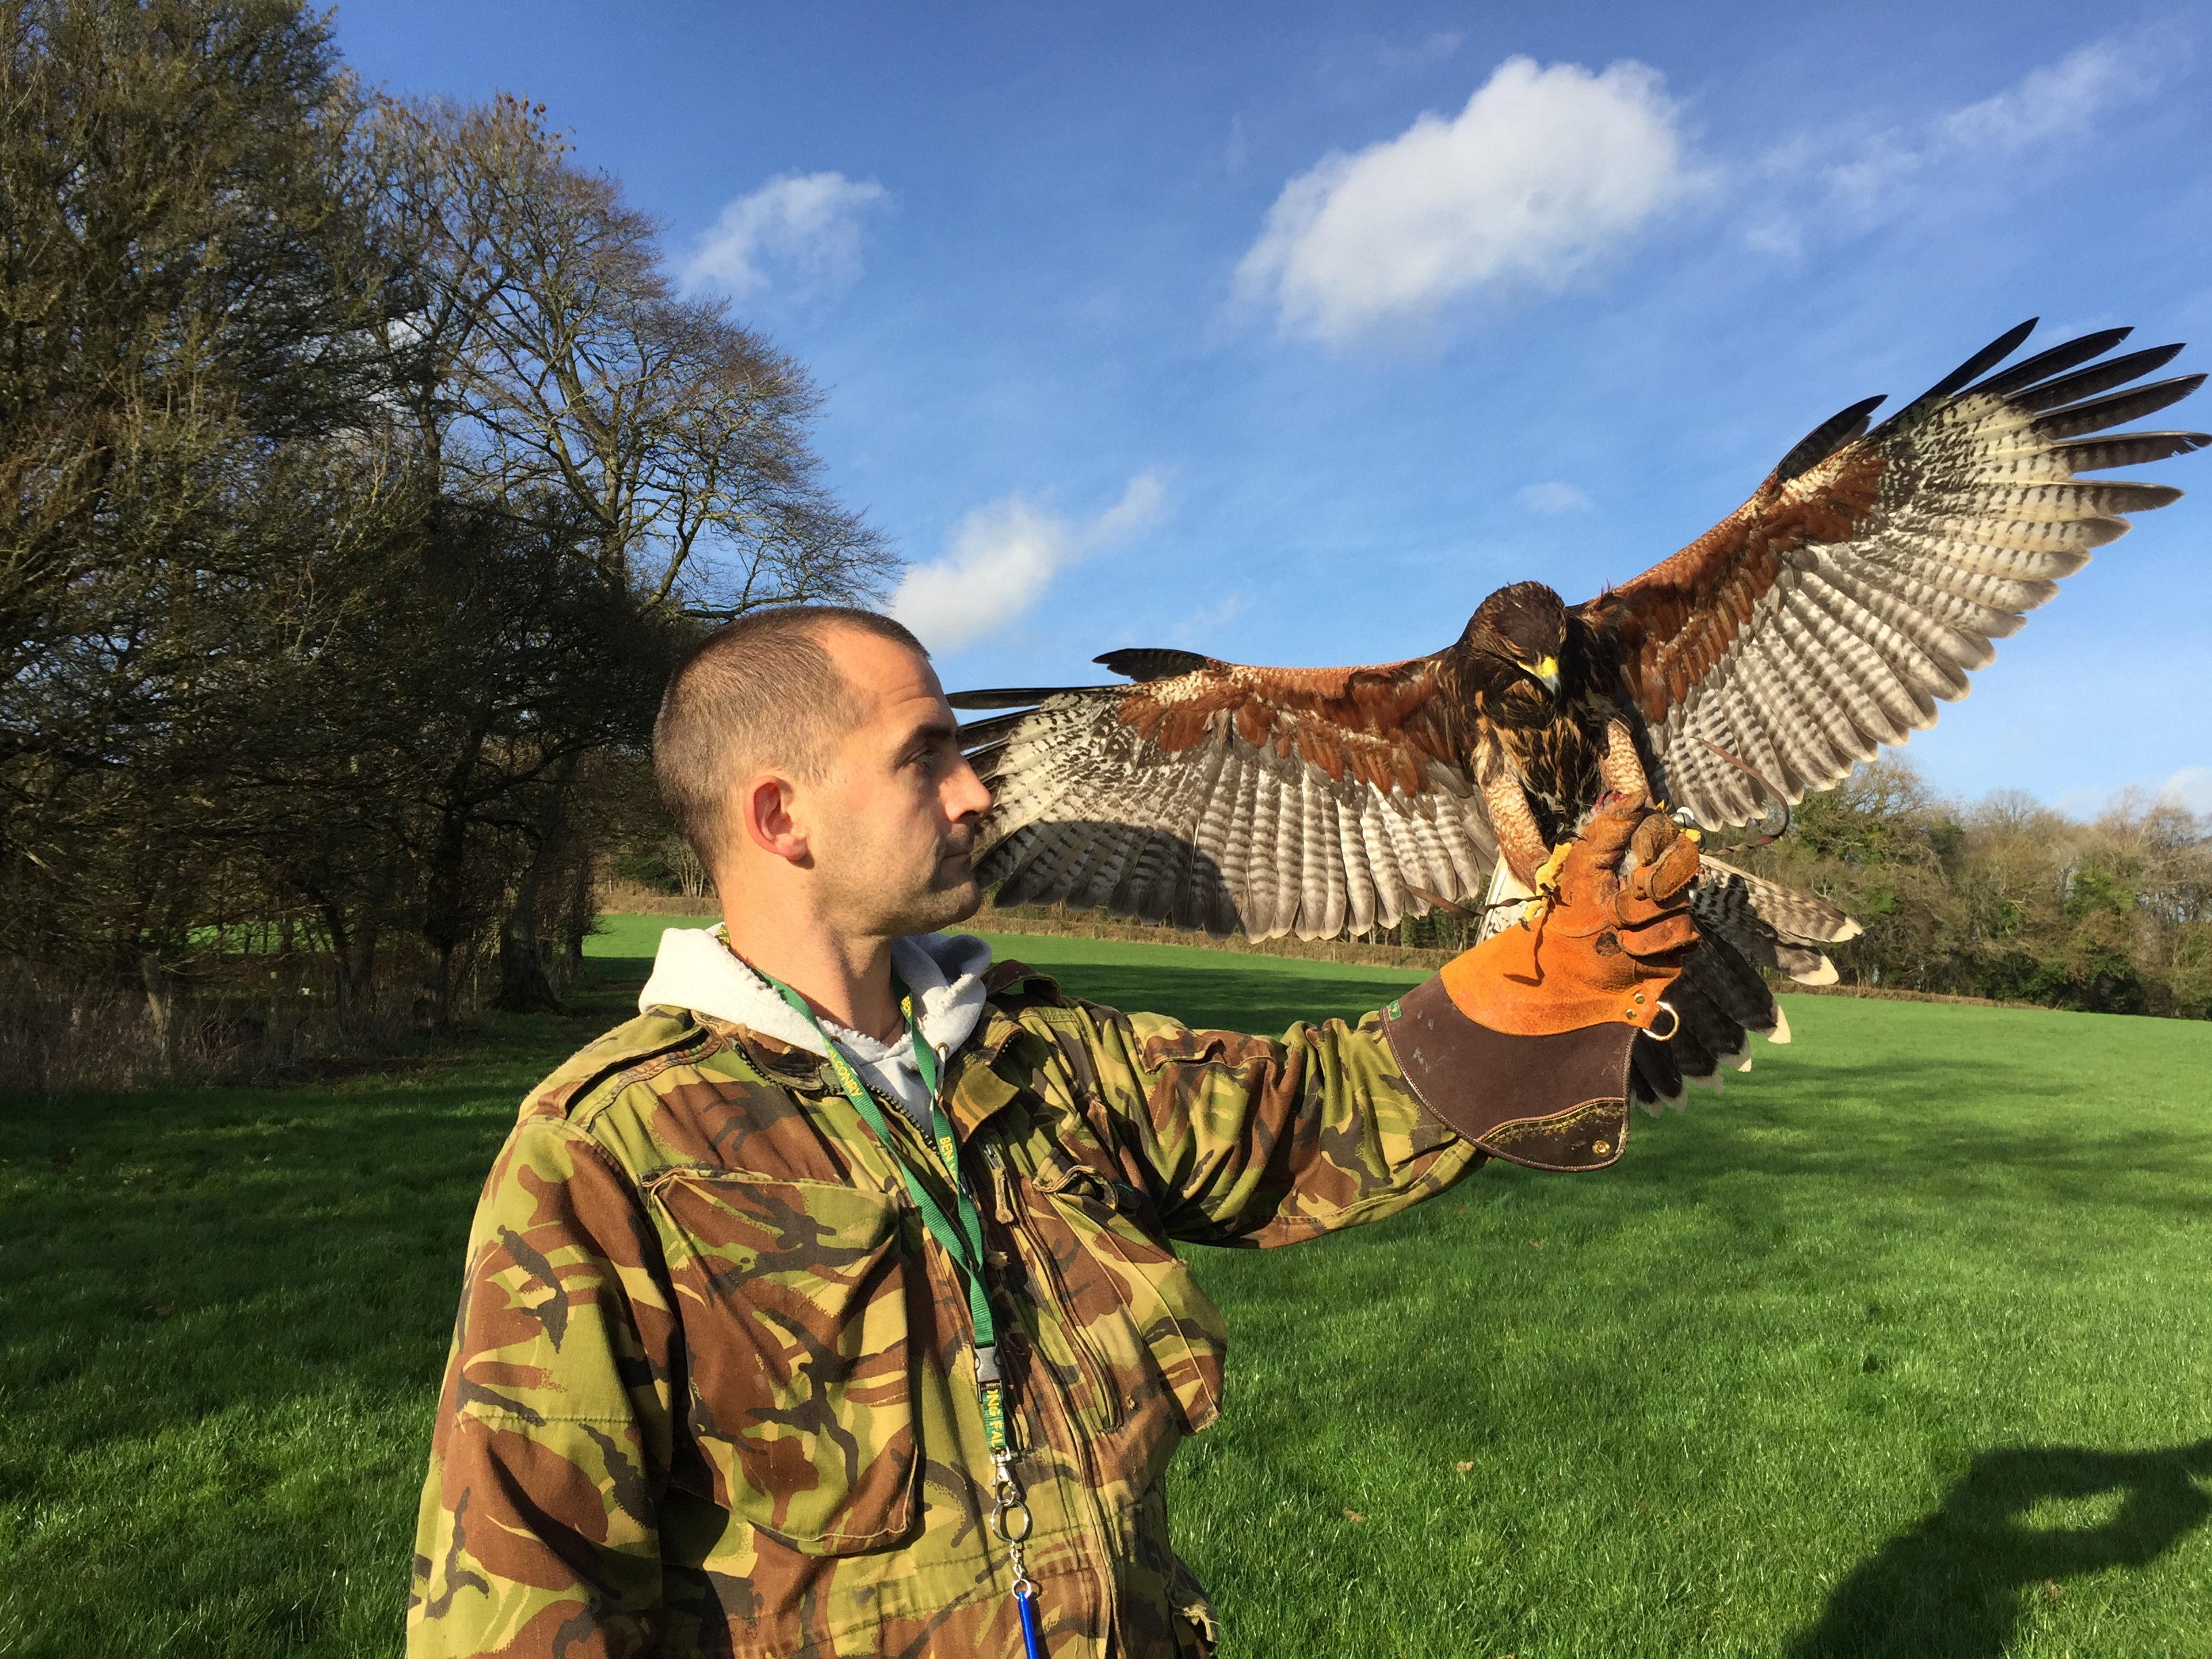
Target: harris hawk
column 1827, row 616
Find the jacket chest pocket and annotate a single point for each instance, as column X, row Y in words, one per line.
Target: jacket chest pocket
column 1133, row 1305
column 794, row 1311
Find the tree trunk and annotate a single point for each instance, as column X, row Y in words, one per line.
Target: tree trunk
column 444, row 921
column 341, row 954
column 162, row 1005
column 523, row 987
column 581, row 911
column 353, row 949
column 357, row 976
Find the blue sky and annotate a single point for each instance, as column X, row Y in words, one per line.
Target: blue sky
column 1219, row 327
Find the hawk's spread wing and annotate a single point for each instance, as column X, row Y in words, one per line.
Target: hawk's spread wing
column 1212, row 795
column 1868, row 575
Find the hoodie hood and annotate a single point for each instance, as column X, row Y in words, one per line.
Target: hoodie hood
column 695, row 969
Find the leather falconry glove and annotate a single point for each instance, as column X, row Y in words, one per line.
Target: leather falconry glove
column 1598, row 945
column 1521, row 1044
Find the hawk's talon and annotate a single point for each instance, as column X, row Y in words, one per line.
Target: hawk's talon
column 1547, row 878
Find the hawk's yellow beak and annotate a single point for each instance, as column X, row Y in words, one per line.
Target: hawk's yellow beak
column 1547, row 669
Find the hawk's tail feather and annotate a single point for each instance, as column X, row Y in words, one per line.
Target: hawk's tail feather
column 1725, row 893
column 1655, row 1081
column 2035, row 396
column 1017, row 696
column 1719, row 1000
column 976, row 737
column 2117, row 409
column 1718, row 972
column 1980, row 363
column 1147, row 662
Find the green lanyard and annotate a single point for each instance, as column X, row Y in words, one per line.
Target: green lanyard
column 963, row 1241
column 963, row 1238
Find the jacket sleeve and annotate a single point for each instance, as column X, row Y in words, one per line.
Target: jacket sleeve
column 1258, row 1141
column 536, row 1533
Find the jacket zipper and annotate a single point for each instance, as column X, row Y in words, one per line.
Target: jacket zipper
column 1085, row 1511
column 1002, row 1192
column 1011, row 1213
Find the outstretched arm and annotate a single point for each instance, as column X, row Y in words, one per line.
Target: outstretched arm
column 1518, row 1049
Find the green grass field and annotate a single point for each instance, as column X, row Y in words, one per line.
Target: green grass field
column 1902, row 1347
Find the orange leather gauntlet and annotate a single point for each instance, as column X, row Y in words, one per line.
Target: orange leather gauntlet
column 1600, row 945
column 1521, row 1044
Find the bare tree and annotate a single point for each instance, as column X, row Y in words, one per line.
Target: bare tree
column 558, row 359
column 550, row 366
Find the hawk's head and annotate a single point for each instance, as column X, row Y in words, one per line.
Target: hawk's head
column 1523, row 627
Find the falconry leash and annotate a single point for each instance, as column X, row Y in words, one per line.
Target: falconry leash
column 961, row 1235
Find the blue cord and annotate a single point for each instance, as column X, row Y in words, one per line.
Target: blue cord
column 1032, row 1639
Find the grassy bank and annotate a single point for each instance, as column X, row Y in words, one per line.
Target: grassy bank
column 1902, row 1347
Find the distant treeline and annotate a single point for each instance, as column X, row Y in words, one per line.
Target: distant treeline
column 361, row 473
column 2006, row 898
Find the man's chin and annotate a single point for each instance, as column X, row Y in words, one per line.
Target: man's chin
column 943, row 907
column 961, row 901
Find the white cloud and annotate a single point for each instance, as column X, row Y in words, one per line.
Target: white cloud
column 2057, row 101
column 2191, row 789
column 1882, row 164
column 1238, row 149
column 1545, row 170
column 1781, row 236
column 2059, row 98
column 1555, row 497
column 1797, row 194
column 1002, row 556
column 2081, row 805
column 806, row 227
column 1138, row 509
column 1199, row 627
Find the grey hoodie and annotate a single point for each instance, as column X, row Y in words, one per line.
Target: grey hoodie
column 695, row 969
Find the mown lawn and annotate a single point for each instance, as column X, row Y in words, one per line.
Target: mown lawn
column 1903, row 1347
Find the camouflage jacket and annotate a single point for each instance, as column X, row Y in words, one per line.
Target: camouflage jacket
column 711, row 1389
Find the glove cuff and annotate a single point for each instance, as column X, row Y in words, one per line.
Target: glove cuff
column 1552, row 1101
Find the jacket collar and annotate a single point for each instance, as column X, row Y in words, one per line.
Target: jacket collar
column 694, row 969
column 781, row 1047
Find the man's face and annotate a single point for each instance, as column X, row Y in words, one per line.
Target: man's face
column 892, row 825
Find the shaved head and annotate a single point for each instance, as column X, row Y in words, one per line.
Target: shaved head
column 761, row 692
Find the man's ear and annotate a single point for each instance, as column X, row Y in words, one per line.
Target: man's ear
column 766, row 808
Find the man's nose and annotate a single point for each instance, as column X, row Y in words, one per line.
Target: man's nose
column 969, row 795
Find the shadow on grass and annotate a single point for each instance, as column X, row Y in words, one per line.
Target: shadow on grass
column 1955, row 1585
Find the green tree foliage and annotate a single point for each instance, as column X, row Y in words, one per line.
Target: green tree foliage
column 2006, row 898
column 361, row 475
column 185, row 288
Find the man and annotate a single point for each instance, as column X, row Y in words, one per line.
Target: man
column 831, row 1306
